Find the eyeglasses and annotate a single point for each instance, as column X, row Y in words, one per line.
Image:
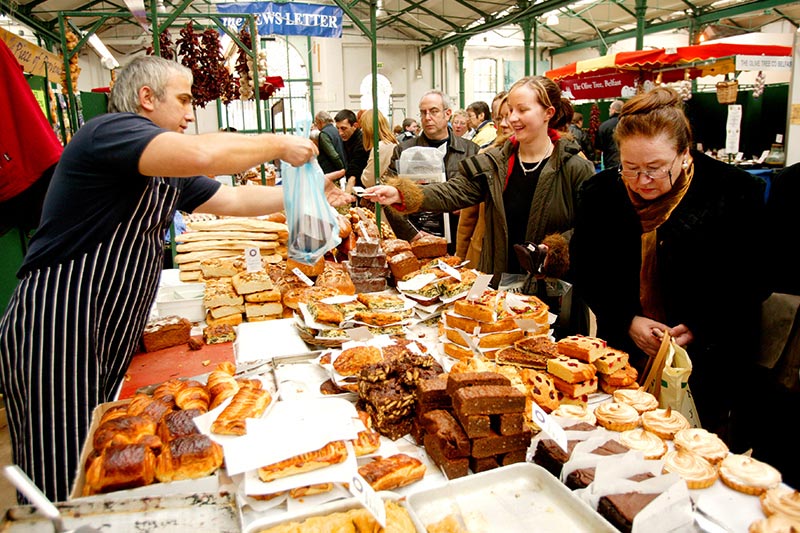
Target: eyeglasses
column 658, row 174
column 434, row 112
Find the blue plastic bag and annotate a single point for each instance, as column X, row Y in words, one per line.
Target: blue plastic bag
column 312, row 221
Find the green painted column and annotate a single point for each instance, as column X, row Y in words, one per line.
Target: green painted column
column 461, row 95
column 641, row 12
column 526, row 44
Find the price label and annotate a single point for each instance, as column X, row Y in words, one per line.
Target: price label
column 305, row 279
column 450, row 271
column 367, row 497
column 360, row 333
column 479, row 287
column 475, row 351
column 252, row 259
column 549, row 426
column 363, row 229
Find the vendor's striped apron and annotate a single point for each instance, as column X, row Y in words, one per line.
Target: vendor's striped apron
column 68, row 335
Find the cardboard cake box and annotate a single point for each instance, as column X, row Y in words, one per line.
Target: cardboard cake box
column 208, row 484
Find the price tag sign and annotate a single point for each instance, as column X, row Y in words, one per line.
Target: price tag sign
column 549, row 426
column 450, row 271
column 252, row 259
column 479, row 287
column 367, row 497
column 305, row 279
column 360, row 333
column 475, row 351
column 363, row 228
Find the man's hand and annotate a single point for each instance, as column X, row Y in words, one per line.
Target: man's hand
column 647, row 334
column 336, row 196
column 383, row 194
column 297, row 150
column 682, row 334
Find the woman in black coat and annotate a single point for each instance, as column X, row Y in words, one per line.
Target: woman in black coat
column 667, row 243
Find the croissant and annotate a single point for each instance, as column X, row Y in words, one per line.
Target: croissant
column 193, row 397
column 120, row 467
column 188, row 457
column 144, row 405
column 221, row 386
column 126, row 430
column 166, row 391
column 114, row 412
column 247, row 403
column 227, row 367
column 249, row 383
column 178, row 424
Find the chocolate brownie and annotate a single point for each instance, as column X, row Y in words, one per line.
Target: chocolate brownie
column 610, row 447
column 580, row 478
column 432, row 394
column 508, row 424
column 483, row 464
column 551, row 457
column 452, row 468
column 471, row 379
column 488, row 400
column 517, row 456
column 581, row 426
column 475, row 425
column 497, row 444
column 440, row 424
column 621, row 509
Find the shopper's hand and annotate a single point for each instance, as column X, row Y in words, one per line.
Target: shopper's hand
column 383, row 194
column 682, row 334
column 335, row 195
column 647, row 334
column 297, row 150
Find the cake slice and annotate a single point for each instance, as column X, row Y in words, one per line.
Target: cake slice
column 581, row 347
column 610, row 361
column 570, row 370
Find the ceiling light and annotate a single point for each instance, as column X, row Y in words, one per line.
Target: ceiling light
column 552, row 20
column 108, row 60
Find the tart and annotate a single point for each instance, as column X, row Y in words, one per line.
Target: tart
column 641, row 440
column 781, row 500
column 748, row 475
column 664, row 422
column 776, row 523
column 638, row 399
column 578, row 412
column 616, row 416
column 695, row 471
column 703, row 443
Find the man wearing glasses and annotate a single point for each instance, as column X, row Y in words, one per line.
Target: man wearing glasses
column 434, row 114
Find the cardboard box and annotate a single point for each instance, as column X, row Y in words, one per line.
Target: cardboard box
column 209, row 484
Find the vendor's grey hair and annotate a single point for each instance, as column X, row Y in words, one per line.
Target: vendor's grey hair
column 150, row 71
column 446, row 104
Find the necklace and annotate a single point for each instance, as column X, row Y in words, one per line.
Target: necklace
column 527, row 171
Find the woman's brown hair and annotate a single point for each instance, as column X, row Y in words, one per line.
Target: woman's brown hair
column 384, row 131
column 654, row 113
column 549, row 95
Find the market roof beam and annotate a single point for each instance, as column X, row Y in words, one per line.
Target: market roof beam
column 36, row 24
column 784, row 17
column 485, row 16
column 709, row 16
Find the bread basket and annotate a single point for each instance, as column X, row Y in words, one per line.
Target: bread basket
column 727, row 91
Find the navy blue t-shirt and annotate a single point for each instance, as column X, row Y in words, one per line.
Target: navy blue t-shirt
column 97, row 185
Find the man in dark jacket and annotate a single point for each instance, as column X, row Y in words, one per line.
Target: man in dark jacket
column 331, row 148
column 434, row 111
column 355, row 153
column 605, row 136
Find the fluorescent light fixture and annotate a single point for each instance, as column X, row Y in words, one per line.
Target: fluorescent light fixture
column 552, row 20
column 108, row 60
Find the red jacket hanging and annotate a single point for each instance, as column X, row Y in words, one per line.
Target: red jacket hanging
column 28, row 145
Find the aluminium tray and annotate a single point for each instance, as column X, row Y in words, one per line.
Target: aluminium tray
column 521, row 497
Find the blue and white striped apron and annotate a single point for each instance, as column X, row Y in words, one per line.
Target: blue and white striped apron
column 68, row 336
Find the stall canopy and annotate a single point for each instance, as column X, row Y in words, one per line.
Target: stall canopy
column 617, row 75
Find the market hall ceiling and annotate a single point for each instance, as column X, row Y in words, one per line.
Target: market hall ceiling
column 557, row 25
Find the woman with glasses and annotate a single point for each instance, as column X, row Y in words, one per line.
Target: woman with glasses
column 529, row 185
column 665, row 243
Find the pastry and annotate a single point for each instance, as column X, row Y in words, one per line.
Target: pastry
column 193, row 396
column 621, row 378
column 380, row 318
column 575, row 389
column 246, row 403
column 359, row 519
column 352, row 360
column 166, row 391
column 650, row 444
column 126, row 430
column 249, row 282
column 392, row 472
column 178, row 424
column 272, row 295
column 540, row 388
column 638, row 399
column 696, row 471
column 513, row 356
column 578, row 412
column 610, row 361
column 570, row 370
column 748, row 475
column 325, row 313
column 262, row 311
column 230, row 320
column 781, row 500
column 219, row 292
column 777, row 523
column 385, row 302
column 120, row 467
column 226, row 310
column 664, row 422
column 616, row 416
column 219, row 333
column 310, row 490
column 586, row 349
column 188, row 457
column 703, row 443
column 148, row 407
column 332, row 453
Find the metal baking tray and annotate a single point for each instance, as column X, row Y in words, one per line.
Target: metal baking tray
column 521, row 497
column 161, row 514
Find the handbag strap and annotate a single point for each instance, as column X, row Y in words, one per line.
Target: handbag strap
column 655, row 366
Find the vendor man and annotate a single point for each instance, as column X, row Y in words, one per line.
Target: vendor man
column 92, row 269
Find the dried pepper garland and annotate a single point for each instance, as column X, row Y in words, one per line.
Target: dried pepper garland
column 165, row 46
column 242, row 66
column 594, row 123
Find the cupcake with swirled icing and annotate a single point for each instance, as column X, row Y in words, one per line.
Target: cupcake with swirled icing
column 616, row 416
column 664, row 422
column 696, row 471
column 776, row 523
column 748, row 475
column 577, row 412
column 704, row 443
column 650, row 444
column 781, row 500
column 637, row 398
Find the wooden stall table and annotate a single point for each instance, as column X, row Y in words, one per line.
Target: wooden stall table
column 175, row 362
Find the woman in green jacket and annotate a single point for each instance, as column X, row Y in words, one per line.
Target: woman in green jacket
column 529, row 184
